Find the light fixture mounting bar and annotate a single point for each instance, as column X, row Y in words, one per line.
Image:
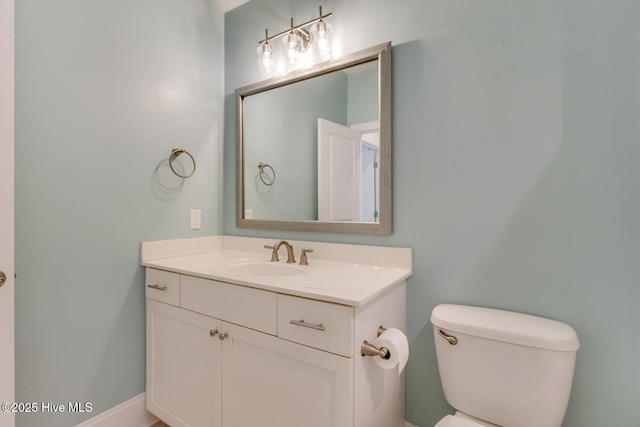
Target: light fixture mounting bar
column 297, row 27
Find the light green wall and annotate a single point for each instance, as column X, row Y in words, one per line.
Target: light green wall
column 516, row 178
column 104, row 90
column 363, row 95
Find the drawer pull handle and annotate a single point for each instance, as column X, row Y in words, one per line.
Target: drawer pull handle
column 158, row 287
column 318, row 327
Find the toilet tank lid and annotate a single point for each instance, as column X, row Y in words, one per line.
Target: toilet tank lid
column 506, row 326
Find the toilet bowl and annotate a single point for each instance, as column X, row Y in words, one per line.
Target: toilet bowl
column 493, row 364
column 462, row 420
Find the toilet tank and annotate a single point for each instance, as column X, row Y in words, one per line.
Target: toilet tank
column 507, row 368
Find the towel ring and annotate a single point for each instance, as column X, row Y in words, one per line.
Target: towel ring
column 175, row 153
column 262, row 173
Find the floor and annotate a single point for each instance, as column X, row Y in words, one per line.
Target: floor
column 159, row 424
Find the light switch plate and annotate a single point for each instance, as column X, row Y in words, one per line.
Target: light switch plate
column 195, row 219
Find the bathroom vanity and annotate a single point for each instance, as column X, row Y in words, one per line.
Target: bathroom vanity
column 236, row 340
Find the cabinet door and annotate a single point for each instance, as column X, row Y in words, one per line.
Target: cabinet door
column 271, row 382
column 183, row 366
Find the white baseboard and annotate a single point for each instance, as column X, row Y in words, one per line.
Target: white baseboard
column 132, row 413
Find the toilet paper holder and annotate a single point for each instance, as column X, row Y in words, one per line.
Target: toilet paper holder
column 368, row 349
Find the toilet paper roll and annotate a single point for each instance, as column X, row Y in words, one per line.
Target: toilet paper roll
column 396, row 342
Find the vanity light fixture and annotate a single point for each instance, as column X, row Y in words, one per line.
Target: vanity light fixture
column 321, row 33
column 267, row 55
column 296, row 41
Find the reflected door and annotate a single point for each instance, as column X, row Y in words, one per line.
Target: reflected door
column 339, row 172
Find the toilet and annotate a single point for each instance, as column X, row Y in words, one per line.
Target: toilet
column 500, row 368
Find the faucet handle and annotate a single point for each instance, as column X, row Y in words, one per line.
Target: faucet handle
column 274, row 254
column 303, row 256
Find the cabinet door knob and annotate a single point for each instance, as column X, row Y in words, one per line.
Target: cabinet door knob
column 223, row 335
column 158, row 287
column 213, row 332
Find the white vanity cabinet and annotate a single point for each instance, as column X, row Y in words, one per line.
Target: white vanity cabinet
column 221, row 354
column 183, row 366
column 268, row 381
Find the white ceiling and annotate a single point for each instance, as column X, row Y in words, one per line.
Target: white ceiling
column 227, row 5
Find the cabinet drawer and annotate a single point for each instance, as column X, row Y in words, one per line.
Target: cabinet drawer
column 317, row 324
column 253, row 308
column 163, row 286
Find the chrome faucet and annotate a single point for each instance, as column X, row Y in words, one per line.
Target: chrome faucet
column 274, row 255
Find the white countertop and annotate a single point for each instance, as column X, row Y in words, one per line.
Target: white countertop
column 351, row 282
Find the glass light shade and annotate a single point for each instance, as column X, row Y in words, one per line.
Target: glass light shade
column 321, row 34
column 267, row 57
column 292, row 46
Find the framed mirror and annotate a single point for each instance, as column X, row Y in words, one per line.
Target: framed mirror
column 313, row 148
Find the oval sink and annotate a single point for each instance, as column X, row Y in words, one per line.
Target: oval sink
column 270, row 269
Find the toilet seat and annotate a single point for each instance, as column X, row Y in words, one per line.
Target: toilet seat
column 453, row 421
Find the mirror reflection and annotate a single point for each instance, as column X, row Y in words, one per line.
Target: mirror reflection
column 314, row 148
column 311, row 148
